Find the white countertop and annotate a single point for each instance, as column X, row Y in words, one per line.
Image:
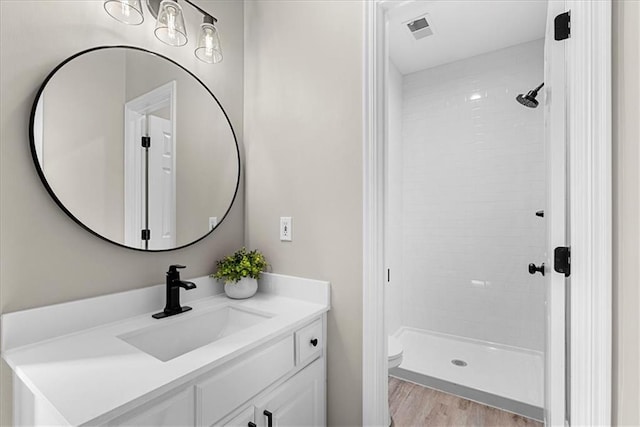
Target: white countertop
column 92, row 374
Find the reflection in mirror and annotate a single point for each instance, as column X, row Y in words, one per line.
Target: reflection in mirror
column 135, row 148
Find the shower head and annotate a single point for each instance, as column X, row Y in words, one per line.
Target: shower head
column 529, row 100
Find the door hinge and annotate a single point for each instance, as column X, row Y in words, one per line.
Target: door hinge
column 146, row 141
column 562, row 260
column 562, row 26
column 146, row 234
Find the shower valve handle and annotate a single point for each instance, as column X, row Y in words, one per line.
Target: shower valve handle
column 533, row 269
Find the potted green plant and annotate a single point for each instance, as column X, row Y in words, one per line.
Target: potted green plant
column 240, row 273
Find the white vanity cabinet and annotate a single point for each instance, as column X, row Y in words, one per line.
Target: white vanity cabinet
column 284, row 378
column 111, row 372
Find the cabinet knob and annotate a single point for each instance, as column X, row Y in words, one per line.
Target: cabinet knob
column 314, row 342
column 252, row 424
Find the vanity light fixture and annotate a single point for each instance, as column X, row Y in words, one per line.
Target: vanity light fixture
column 126, row 11
column 170, row 24
column 208, row 49
column 170, row 27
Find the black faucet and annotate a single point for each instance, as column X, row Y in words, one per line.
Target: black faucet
column 173, row 293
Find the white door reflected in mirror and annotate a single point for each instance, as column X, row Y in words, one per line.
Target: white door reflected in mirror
column 150, row 202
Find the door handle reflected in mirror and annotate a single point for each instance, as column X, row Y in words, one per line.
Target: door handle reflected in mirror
column 251, row 424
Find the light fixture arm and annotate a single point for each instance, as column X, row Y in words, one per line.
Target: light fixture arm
column 199, row 9
column 154, row 7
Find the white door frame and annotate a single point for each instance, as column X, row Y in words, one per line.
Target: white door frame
column 374, row 336
column 589, row 144
column 161, row 97
column 589, row 158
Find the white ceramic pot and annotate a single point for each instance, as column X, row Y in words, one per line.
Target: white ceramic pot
column 244, row 288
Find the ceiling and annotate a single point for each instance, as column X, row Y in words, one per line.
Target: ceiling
column 461, row 29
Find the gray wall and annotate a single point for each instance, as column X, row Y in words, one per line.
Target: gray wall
column 626, row 213
column 303, row 136
column 45, row 258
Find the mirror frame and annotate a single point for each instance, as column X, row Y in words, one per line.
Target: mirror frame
column 43, row 178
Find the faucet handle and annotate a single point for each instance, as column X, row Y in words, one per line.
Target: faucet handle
column 174, row 268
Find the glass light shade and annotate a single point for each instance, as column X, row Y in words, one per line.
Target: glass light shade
column 126, row 11
column 208, row 49
column 170, row 24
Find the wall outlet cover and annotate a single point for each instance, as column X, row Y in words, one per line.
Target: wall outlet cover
column 286, row 229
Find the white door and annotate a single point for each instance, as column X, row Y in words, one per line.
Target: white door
column 141, row 119
column 134, row 179
column 556, row 217
column 298, row 402
column 161, row 184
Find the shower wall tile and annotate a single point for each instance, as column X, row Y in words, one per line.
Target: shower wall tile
column 472, row 178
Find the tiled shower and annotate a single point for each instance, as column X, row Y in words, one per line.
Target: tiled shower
column 466, row 176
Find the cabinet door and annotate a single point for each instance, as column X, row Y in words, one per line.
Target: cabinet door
column 242, row 420
column 178, row 410
column 298, row 402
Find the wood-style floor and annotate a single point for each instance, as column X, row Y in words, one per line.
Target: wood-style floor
column 412, row 405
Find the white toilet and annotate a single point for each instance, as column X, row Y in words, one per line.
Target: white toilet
column 394, row 352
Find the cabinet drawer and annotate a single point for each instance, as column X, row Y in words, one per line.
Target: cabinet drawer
column 309, row 342
column 233, row 386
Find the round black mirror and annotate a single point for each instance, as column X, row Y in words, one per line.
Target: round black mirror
column 135, row 148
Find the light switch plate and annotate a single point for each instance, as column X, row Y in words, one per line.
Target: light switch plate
column 286, row 229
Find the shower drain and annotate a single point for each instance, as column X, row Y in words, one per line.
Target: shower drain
column 459, row 362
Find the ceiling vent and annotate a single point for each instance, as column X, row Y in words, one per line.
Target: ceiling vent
column 420, row 28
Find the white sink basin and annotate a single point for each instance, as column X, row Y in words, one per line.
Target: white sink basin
column 175, row 336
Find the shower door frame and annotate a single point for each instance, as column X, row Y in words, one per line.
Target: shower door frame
column 588, row 103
